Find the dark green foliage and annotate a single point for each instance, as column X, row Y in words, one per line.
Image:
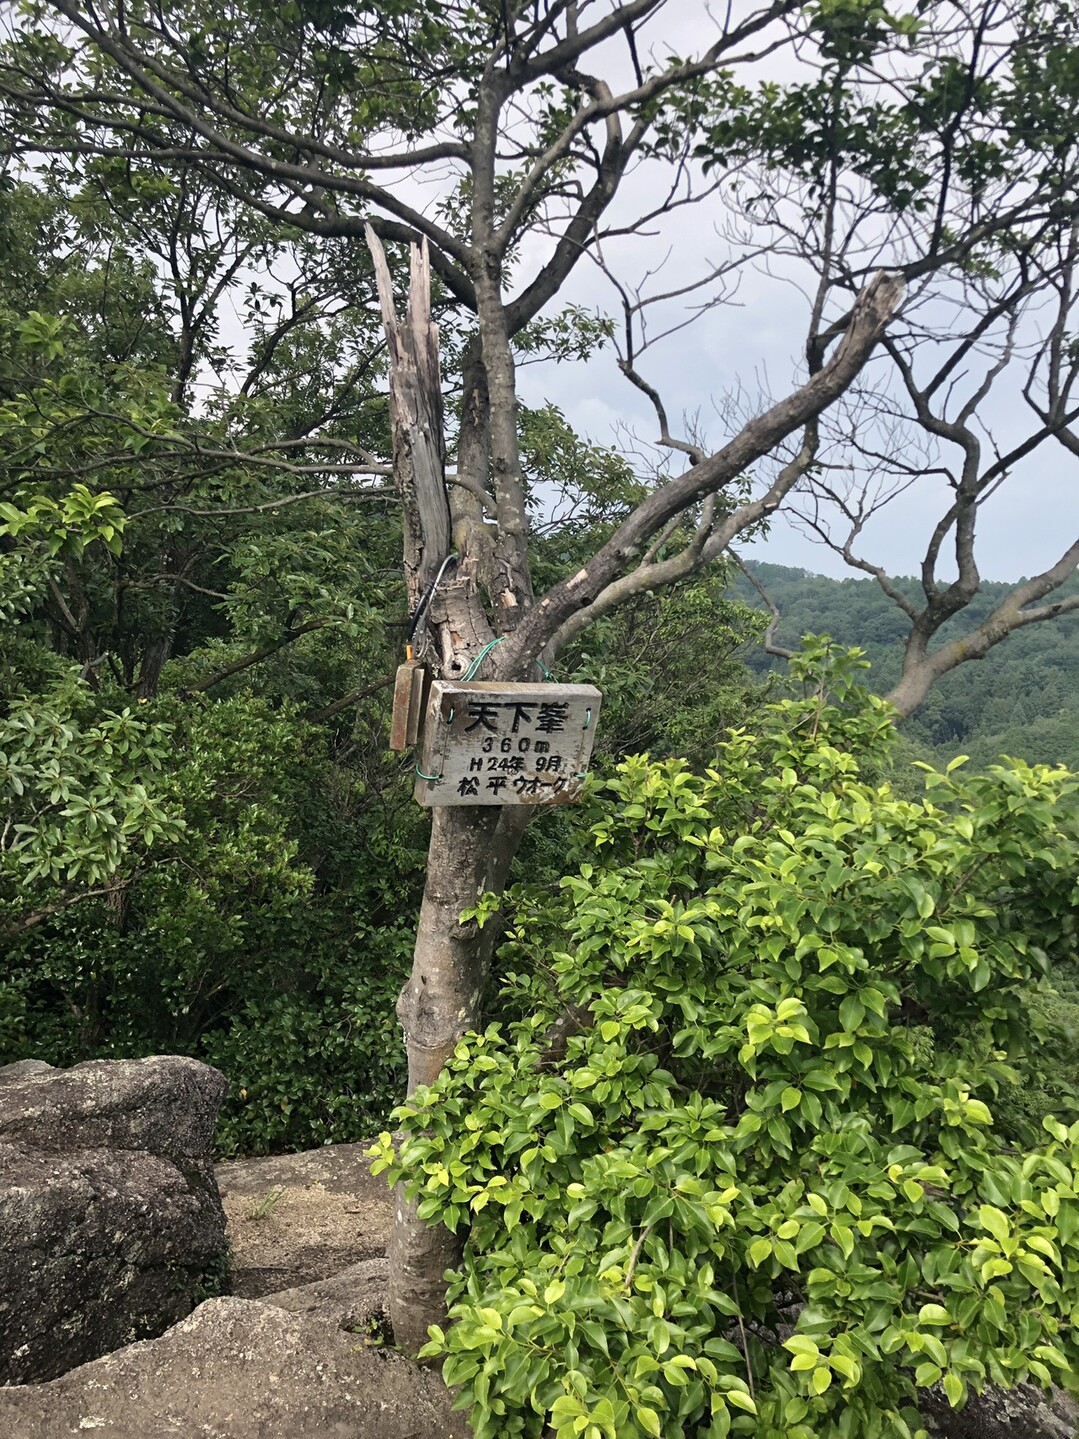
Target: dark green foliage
column 268, row 937
column 246, row 885
column 1022, row 699
column 672, row 671
column 216, row 1278
column 1050, row 1068
column 188, row 863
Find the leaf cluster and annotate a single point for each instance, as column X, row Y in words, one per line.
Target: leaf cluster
column 761, row 1189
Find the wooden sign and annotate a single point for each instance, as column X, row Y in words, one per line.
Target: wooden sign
column 486, row 743
column 409, row 694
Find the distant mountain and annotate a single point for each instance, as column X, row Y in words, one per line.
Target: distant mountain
column 1021, row 700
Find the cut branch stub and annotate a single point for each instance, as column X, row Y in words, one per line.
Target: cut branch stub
column 419, row 459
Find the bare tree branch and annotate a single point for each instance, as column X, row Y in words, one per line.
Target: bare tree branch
column 570, row 606
column 256, row 656
column 768, row 639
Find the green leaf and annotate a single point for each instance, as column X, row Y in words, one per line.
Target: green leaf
column 992, row 1219
column 759, row 1251
column 851, row 1014
column 955, row 1389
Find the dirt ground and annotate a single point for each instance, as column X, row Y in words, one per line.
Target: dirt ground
column 297, row 1218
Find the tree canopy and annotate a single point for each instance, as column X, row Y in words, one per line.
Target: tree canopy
column 519, row 143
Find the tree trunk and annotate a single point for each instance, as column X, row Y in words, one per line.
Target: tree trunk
column 922, row 670
column 471, row 850
column 419, row 468
column 470, row 854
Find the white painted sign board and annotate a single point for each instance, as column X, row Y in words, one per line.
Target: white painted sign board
column 488, row 743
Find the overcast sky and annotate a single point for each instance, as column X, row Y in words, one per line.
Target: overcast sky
column 1022, row 526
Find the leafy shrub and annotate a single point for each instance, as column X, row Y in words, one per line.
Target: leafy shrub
column 74, row 802
column 308, row 1070
column 761, row 1191
column 267, row 933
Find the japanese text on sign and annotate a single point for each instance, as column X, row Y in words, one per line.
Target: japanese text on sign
column 506, row 744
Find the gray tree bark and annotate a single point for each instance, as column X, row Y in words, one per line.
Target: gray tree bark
column 419, row 463
column 470, row 850
column 921, row 670
column 470, row 854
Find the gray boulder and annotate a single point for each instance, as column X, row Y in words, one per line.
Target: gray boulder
column 111, row 1227
column 239, row 1369
column 166, row 1106
column 354, row 1300
column 1021, row 1413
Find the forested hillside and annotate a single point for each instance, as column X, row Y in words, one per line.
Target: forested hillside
column 1022, row 700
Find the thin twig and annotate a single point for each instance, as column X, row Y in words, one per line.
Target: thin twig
column 272, row 504
column 635, row 1255
column 768, row 641
column 350, row 699
column 745, row 1340
column 256, row 656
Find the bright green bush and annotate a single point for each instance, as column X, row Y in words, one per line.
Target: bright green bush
column 763, row 1191
column 79, row 797
column 79, row 793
